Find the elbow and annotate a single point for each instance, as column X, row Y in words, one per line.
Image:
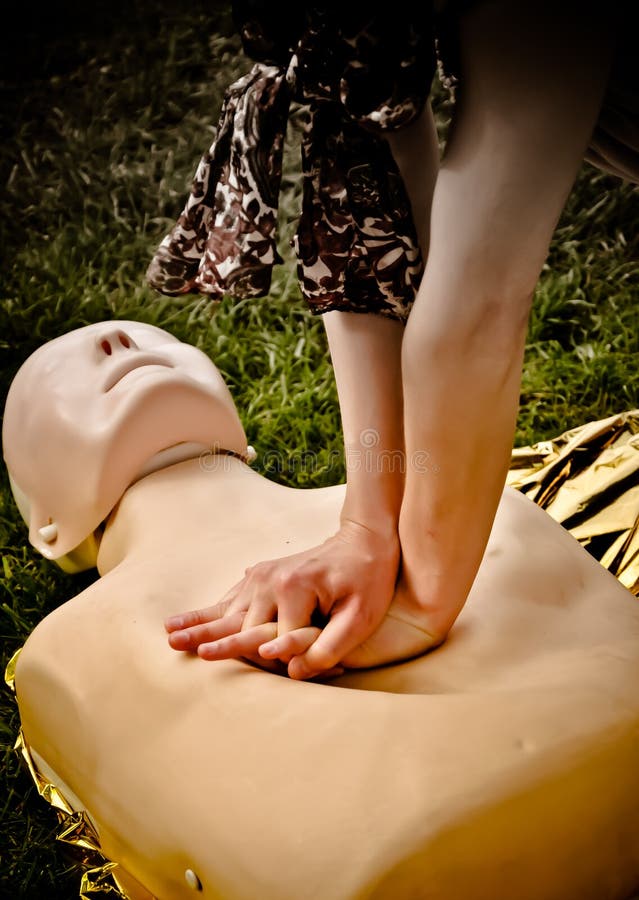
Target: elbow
column 467, row 317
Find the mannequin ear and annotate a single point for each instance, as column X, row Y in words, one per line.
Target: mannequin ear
column 45, row 537
column 82, row 557
column 44, row 533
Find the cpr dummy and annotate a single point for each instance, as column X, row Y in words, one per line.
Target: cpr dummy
column 503, row 764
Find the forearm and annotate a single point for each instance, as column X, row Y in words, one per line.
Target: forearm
column 366, row 355
column 518, row 139
column 458, row 444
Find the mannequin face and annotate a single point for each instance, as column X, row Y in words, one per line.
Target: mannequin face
column 87, row 411
column 92, row 374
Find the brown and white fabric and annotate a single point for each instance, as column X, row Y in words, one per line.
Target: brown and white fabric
column 224, row 242
column 356, row 244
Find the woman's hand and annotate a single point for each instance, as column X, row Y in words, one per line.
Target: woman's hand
column 403, row 634
column 349, row 580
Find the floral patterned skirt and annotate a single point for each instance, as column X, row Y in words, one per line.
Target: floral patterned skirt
column 356, row 244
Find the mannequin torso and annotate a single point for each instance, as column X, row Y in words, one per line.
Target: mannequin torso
column 508, row 755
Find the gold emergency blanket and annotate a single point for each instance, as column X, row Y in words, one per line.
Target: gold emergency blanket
column 587, row 479
column 99, row 874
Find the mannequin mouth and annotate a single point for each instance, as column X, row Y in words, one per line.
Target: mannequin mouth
column 137, row 361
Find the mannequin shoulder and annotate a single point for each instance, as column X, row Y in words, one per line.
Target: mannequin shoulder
column 534, row 566
column 53, row 638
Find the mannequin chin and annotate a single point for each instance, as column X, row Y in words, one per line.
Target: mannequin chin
column 504, row 763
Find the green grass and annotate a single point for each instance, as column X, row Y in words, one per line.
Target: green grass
column 103, row 120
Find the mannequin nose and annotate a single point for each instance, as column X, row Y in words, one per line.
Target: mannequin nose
column 114, row 340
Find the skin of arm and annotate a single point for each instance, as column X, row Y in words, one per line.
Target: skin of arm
column 533, row 77
column 366, row 355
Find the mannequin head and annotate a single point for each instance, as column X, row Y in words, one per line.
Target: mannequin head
column 96, row 409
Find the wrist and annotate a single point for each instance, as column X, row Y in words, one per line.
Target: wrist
column 374, row 503
column 436, row 583
column 379, row 529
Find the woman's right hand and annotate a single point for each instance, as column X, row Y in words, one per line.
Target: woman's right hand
column 404, row 632
column 349, row 580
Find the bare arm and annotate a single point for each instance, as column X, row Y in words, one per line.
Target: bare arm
column 533, row 79
column 366, row 355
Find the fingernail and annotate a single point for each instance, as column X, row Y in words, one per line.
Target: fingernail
column 179, row 640
column 174, row 622
column 209, row 651
column 299, row 673
column 270, row 648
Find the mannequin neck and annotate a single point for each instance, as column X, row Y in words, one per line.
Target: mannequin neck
column 188, row 450
column 174, row 504
column 170, row 457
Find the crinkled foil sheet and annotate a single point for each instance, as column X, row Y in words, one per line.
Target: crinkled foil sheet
column 587, row 479
column 99, row 878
